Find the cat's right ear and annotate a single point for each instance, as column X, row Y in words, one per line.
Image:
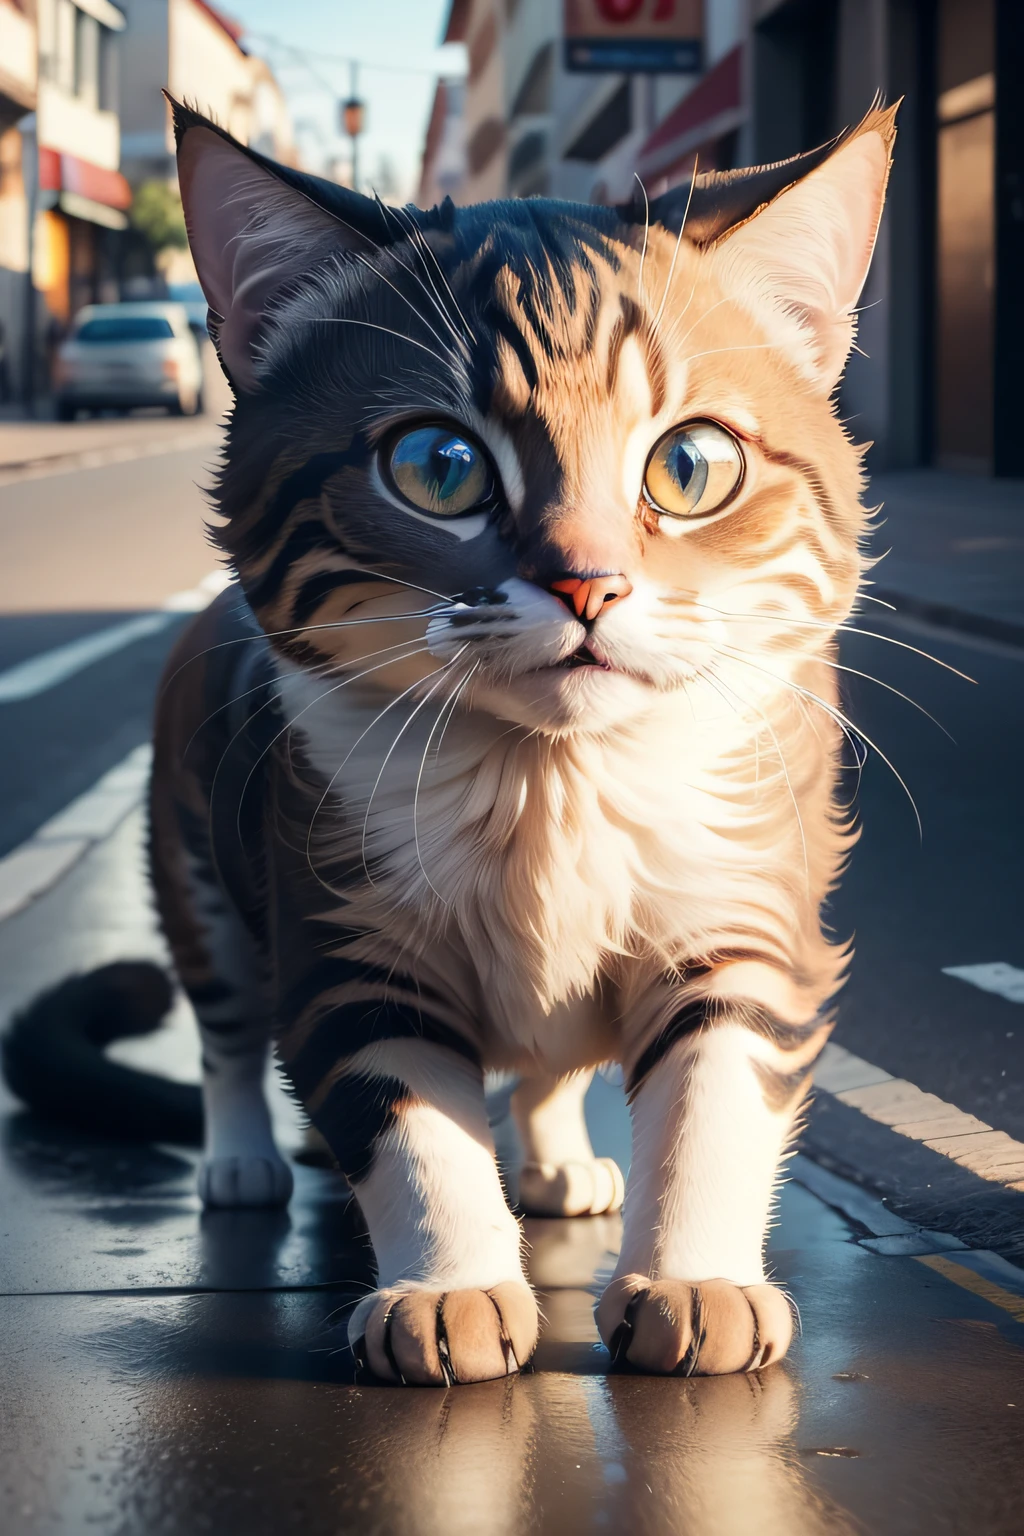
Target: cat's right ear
column 254, row 228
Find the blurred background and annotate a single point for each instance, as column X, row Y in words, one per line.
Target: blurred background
column 111, row 405
column 477, row 99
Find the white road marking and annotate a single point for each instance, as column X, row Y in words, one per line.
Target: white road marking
column 46, row 857
column 45, row 671
column 996, row 976
column 923, row 1117
column 37, row 864
column 40, row 673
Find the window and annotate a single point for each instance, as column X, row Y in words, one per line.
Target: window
column 125, row 328
column 604, row 131
column 87, row 58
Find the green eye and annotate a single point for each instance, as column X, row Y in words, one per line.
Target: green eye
column 694, row 470
column 440, row 471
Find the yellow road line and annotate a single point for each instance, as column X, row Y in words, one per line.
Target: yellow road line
column 968, row 1280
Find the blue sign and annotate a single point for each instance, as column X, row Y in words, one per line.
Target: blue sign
column 642, row 55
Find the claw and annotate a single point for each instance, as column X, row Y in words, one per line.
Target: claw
column 444, row 1353
column 507, row 1347
column 622, row 1338
column 757, row 1354
column 388, row 1347
column 698, row 1333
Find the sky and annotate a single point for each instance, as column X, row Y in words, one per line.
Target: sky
column 400, row 35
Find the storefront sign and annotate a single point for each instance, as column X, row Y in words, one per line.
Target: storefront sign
column 640, row 36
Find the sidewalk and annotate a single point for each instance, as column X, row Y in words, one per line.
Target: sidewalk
column 34, row 444
column 41, row 445
column 956, row 550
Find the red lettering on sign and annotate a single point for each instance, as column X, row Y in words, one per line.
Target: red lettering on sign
column 622, row 10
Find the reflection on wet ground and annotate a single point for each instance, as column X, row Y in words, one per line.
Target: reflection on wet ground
column 166, row 1372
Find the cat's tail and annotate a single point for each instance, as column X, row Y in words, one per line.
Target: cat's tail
column 53, row 1058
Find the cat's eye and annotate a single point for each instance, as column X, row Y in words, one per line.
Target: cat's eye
column 693, row 471
column 439, row 470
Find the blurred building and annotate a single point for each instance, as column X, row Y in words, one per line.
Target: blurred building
column 480, row 25
column 942, row 381
column 18, row 92
column 63, row 200
column 196, row 52
column 943, row 313
column 443, row 171
column 83, row 198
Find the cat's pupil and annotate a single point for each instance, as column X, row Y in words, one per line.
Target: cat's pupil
column 683, row 465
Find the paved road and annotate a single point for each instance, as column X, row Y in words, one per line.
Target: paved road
column 83, row 551
column 198, row 1389
column 950, row 896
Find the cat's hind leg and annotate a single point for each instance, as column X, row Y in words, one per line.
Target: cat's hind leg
column 560, row 1175
column 222, row 971
column 241, row 1163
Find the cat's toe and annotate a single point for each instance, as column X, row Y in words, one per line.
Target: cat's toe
column 244, row 1181
column 706, row 1328
column 444, row 1338
column 592, row 1188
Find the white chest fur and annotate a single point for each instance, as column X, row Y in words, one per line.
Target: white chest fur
column 545, row 858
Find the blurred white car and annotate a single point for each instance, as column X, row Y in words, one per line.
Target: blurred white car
column 123, row 355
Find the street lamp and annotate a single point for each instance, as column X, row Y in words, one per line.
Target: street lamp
column 352, row 120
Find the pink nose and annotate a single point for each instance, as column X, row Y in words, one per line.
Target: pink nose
column 591, row 595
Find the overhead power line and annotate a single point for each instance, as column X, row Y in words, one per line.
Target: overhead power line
column 309, row 59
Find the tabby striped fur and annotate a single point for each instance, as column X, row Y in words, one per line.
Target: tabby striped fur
column 393, row 828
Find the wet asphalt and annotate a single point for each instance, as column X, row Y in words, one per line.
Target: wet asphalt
column 162, row 1371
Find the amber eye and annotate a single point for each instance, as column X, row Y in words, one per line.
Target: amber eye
column 694, row 470
column 440, row 470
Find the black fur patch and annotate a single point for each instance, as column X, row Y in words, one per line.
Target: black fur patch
column 356, row 1113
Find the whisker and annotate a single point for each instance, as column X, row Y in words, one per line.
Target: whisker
column 431, row 292
column 675, row 253
column 841, row 719
column 337, row 772
column 453, row 699
column 847, row 629
column 387, row 758
column 641, row 296
column 406, row 300
column 785, row 773
column 277, row 634
column 418, row 239
column 760, row 346
column 868, row 677
column 354, row 678
column 682, row 340
column 369, row 326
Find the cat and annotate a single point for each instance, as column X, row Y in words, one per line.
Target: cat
column 516, row 743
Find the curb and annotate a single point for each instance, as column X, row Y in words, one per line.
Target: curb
column 56, row 847
column 980, row 1270
column 961, row 620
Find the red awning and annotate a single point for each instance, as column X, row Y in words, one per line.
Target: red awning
column 66, row 173
column 713, row 107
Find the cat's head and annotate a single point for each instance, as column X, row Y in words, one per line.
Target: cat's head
column 572, row 458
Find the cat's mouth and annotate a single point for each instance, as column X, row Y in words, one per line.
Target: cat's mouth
column 581, row 657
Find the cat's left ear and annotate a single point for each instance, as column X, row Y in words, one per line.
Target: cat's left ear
column 255, row 227
column 807, row 253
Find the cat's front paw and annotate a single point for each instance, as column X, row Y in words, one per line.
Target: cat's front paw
column 244, row 1181
column 593, row 1188
column 705, row 1328
column 444, row 1338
